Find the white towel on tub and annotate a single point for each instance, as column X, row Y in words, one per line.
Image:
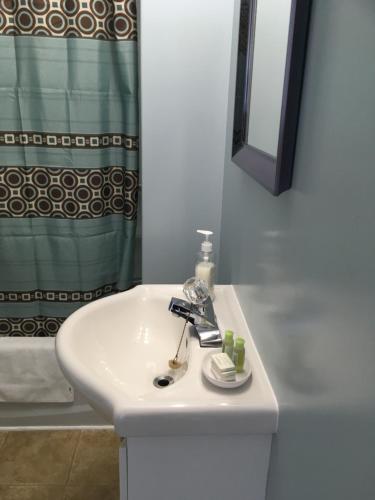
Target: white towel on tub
column 29, row 372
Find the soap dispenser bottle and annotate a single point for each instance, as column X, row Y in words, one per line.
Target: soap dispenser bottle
column 205, row 266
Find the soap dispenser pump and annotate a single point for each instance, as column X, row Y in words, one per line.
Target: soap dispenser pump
column 205, row 266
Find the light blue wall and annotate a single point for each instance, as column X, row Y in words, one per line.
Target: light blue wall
column 184, row 59
column 304, row 265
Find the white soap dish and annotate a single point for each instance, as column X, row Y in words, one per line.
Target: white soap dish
column 211, row 377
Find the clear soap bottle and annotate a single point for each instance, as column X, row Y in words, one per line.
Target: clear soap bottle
column 205, row 266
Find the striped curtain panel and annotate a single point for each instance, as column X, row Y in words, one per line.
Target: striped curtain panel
column 68, row 157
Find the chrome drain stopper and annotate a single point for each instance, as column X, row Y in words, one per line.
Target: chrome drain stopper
column 163, row 381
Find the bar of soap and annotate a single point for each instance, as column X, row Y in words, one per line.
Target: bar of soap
column 222, row 362
column 223, row 367
column 226, row 376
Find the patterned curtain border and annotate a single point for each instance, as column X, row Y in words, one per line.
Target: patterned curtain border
column 57, row 140
column 35, row 326
column 58, row 295
column 96, row 19
column 68, row 193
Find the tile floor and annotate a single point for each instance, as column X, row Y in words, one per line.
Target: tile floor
column 59, row 465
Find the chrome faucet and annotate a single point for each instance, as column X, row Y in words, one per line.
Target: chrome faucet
column 202, row 316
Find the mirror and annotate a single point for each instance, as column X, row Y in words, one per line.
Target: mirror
column 271, row 53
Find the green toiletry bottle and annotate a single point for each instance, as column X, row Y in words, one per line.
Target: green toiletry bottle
column 228, row 343
column 239, row 354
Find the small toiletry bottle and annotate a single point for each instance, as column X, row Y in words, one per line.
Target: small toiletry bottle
column 239, row 354
column 228, row 343
column 205, row 266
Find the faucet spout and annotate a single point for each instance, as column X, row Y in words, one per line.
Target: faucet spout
column 202, row 317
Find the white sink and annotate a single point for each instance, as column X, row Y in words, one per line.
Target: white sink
column 112, row 349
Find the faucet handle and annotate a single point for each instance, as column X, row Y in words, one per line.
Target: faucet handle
column 181, row 308
column 196, row 290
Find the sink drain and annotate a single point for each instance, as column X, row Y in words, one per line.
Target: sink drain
column 163, row 381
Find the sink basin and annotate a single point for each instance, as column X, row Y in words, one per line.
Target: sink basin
column 112, row 349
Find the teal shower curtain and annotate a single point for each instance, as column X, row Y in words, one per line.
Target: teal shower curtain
column 68, row 157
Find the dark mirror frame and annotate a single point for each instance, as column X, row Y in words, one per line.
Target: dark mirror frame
column 275, row 174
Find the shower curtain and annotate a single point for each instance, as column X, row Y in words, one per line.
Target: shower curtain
column 68, row 157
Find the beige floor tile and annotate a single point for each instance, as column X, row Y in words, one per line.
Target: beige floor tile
column 96, row 459
column 32, row 492
column 37, row 457
column 91, row 492
column 3, row 436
